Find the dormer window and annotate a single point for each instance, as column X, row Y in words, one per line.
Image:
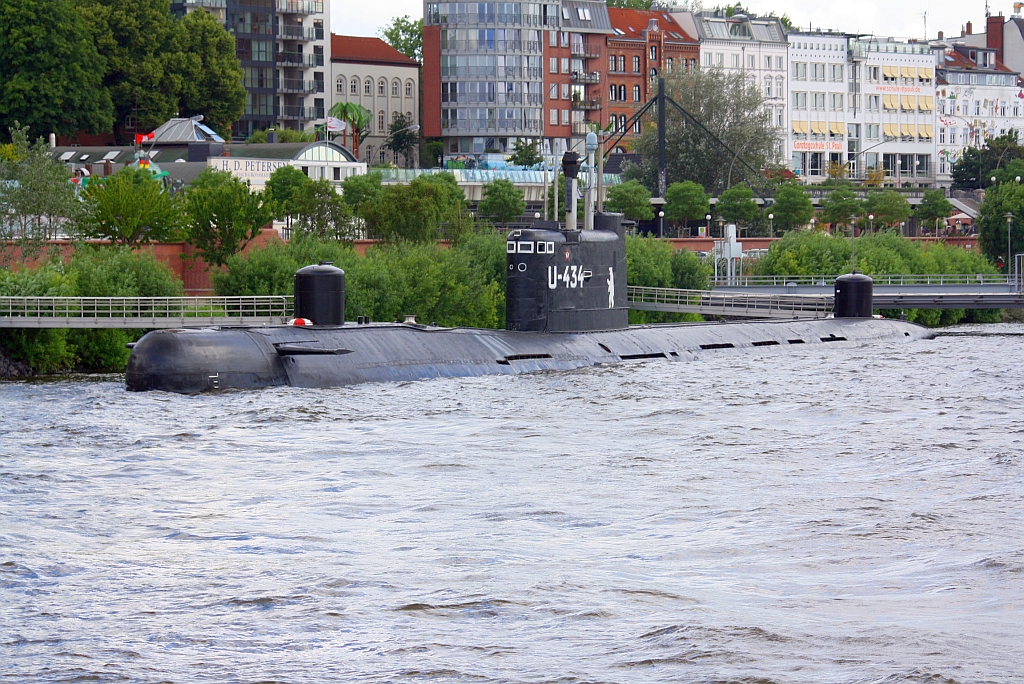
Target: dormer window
column 974, row 56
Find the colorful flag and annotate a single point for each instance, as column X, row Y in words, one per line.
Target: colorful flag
column 335, row 125
column 139, row 138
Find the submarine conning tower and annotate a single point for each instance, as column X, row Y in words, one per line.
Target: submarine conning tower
column 320, row 294
column 567, row 281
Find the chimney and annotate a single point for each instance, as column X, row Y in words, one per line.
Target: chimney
column 969, row 29
column 994, row 35
column 652, row 25
column 108, row 168
column 940, row 35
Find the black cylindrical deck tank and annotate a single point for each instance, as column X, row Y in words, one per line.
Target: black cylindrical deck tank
column 320, row 294
column 854, row 296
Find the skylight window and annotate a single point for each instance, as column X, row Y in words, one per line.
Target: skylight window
column 565, row 13
column 111, row 156
column 67, row 155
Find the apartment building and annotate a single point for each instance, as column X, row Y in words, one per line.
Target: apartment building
column 643, row 46
column 755, row 46
column 371, row 73
column 283, row 46
column 978, row 98
column 495, row 72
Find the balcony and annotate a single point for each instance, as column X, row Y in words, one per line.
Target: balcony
column 298, row 113
column 300, row 6
column 583, row 127
column 298, row 59
column 586, row 51
column 582, row 77
column 209, row 4
column 299, row 86
column 589, row 104
column 300, row 33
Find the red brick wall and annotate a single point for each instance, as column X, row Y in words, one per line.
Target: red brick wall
column 432, row 81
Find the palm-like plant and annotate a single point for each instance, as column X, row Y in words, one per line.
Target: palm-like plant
column 358, row 119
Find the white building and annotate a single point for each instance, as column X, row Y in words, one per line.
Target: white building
column 866, row 104
column 978, row 98
column 371, row 73
column 749, row 44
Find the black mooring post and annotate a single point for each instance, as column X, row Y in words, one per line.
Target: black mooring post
column 661, row 150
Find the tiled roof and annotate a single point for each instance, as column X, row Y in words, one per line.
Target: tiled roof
column 631, row 23
column 955, row 60
column 367, row 50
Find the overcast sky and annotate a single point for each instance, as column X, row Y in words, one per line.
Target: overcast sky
column 882, row 17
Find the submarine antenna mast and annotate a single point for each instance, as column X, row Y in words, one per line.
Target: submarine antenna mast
column 588, row 202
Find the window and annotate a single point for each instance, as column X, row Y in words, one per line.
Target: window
column 622, row 93
column 636, row 93
column 817, row 100
column 735, row 61
column 622, row 122
column 353, row 86
column 381, row 87
column 339, row 86
column 553, row 117
column 799, row 100
column 836, row 72
column 394, row 88
column 780, row 117
column 565, row 117
column 768, row 63
column 565, row 65
column 814, row 165
column 553, row 38
column 636, row 126
column 553, row 91
column 709, row 59
column 872, row 74
column 719, row 59
column 779, row 91
column 768, row 86
column 565, row 91
column 977, row 107
column 612, row 92
column 553, row 65
column 799, row 71
column 836, row 102
column 381, row 122
column 942, row 135
column 367, row 87
column 408, row 88
column 565, row 38
column 817, row 72
column 622, row 63
column 872, row 103
column 611, row 62
column 636, row 64
column 654, row 53
column 778, row 64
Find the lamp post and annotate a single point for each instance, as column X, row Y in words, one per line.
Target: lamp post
column 958, row 227
column 708, row 219
column 813, row 221
column 871, row 223
column 661, row 224
column 771, row 227
column 721, row 227
column 903, row 225
column 1009, row 227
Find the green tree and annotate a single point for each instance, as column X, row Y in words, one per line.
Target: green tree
column 730, row 106
column 428, row 208
column 889, row 207
column 209, row 72
column 934, row 207
column 685, row 201
column 223, row 215
column 977, row 166
column 631, row 4
column 51, row 76
column 434, row 152
column 632, row 199
column 792, row 207
column 992, row 226
column 502, row 201
column 840, row 204
column 737, row 205
column 400, row 138
column 37, row 199
column 136, row 37
column 405, row 35
column 322, row 213
column 131, row 208
column 281, row 188
column 525, row 154
column 362, row 191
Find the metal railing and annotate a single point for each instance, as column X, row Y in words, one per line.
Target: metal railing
column 142, row 312
column 900, row 279
column 300, row 6
column 729, row 303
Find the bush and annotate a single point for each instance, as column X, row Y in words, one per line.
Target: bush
column 886, row 253
column 46, row 350
column 651, row 262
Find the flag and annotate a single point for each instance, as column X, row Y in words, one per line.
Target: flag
column 139, row 138
column 143, row 163
column 335, row 125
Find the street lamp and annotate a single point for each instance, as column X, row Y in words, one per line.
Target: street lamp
column 813, row 221
column 871, row 223
column 903, row 231
column 1009, row 227
column 708, row 219
column 771, row 228
column 661, row 224
column 721, row 227
column 853, row 243
column 958, row 227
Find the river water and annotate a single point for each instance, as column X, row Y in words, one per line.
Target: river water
column 811, row 515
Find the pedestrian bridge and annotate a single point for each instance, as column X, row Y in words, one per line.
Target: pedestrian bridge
column 883, row 284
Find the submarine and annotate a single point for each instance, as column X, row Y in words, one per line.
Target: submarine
column 566, row 308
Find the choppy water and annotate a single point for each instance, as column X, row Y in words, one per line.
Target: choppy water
column 839, row 515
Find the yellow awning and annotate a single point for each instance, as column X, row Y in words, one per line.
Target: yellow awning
column 796, row 127
column 818, row 127
column 841, row 127
column 890, row 71
column 890, row 130
column 837, row 127
column 926, row 103
column 908, row 72
column 891, row 101
column 908, row 130
column 926, row 131
column 925, row 73
column 908, row 102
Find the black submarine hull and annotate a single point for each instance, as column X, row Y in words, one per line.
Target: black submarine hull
column 202, row 360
